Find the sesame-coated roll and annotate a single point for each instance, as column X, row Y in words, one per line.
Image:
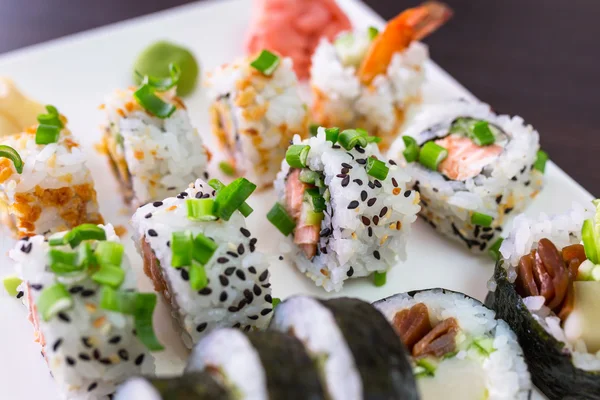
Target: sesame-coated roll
column 348, row 209
column 256, row 110
column 45, row 185
column 203, row 259
column 94, row 328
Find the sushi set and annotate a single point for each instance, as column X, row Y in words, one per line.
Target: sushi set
column 273, row 199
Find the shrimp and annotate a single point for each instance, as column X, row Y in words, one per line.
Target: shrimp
column 412, row 24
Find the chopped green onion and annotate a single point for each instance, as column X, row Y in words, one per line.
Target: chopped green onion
column 590, row 244
column 374, row 139
column 11, row 283
column 12, row 155
column 428, row 366
column 484, row 345
column 118, row 301
column 377, row 169
column 351, row 138
column 373, row 32
column 482, row 134
column 362, row 131
column 411, row 149
column 481, row 219
column 110, row 275
column 266, row 62
column 204, row 248
column 232, row 197
column 216, row 184
column 152, row 103
column 182, row 246
column 83, row 232
column 144, row 308
column 332, row 134
column 279, row 217
column 308, row 176
column 46, row 134
column 313, row 129
column 432, row 155
column 379, row 278
column 316, row 200
column 275, row 301
column 494, row 250
column 162, row 84
column 57, row 241
column 201, row 209
column 314, row 218
column 85, row 256
column 52, row 118
column 227, row 168
column 52, row 300
column 109, row 253
column 245, row 208
column 540, row 161
column 198, row 278
column 296, row 155
column 62, row 262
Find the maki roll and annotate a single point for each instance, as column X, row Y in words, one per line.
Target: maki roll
column 349, row 211
column 547, row 287
column 255, row 111
column 459, row 350
column 357, row 352
column 202, row 258
column 45, row 185
column 151, row 145
column 93, row 326
column 370, row 79
column 192, row 386
column 472, row 168
column 258, row 365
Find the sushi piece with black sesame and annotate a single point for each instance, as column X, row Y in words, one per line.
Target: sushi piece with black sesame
column 94, row 328
column 196, row 386
column 258, row 365
column 344, row 207
column 202, row 258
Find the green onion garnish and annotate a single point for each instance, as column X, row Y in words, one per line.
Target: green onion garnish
column 308, row 176
column 275, row 301
column 332, row 134
column 162, row 84
column 52, row 118
column 227, row 168
column 266, row 62
column 481, row 219
column 182, row 246
column 110, row 275
column 11, row 283
column 152, row 103
column 590, row 244
column 432, row 155
column 232, row 197
column 351, row 138
column 482, row 134
column 85, row 256
column 198, row 278
column 373, row 32
column 109, row 253
column 494, row 250
column 279, row 217
column 52, row 300
column 201, row 209
column 540, row 161
column 377, row 169
column 316, row 199
column 62, row 262
column 118, row 301
column 245, row 208
column 204, row 248
column 46, row 134
column 12, row 155
column 296, row 155
column 216, row 184
column 379, row 278
column 313, row 129
column 81, row 233
column 411, row 149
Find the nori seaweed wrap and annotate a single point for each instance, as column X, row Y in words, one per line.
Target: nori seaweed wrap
column 193, row 386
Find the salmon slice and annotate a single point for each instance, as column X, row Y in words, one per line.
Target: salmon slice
column 34, row 319
column 465, row 159
column 305, row 236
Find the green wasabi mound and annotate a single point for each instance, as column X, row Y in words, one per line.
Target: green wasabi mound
column 155, row 59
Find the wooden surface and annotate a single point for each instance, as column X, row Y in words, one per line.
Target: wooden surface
column 536, row 58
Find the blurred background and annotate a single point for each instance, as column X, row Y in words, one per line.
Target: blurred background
column 535, row 58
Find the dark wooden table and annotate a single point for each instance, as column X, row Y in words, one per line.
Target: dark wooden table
column 536, row 58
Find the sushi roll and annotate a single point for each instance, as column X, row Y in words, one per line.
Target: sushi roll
column 546, row 286
column 369, row 79
column 150, row 142
column 358, row 352
column 255, row 111
column 459, row 350
column 93, row 326
column 258, row 365
column 348, row 210
column 45, row 185
column 472, row 168
column 202, row 258
column 192, row 386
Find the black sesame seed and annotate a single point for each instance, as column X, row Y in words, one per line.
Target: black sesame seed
column 523, row 169
column 248, row 295
column 324, row 250
column 394, row 182
column 201, row 327
column 358, row 182
column 152, row 232
column 223, row 279
column 264, row 275
column 57, row 344
column 508, row 210
column 252, row 270
column 253, row 241
column 363, row 195
column 487, row 236
column 88, row 293
column 252, row 248
column 115, row 339
column 376, row 220
column 26, row 248
column 266, row 311
column 20, row 294
column 341, row 176
column 223, row 296
column 139, row 360
column 232, row 254
column 256, row 290
column 407, row 193
column 370, row 231
column 361, row 161
column 247, row 328
column 147, row 216
column 70, row 361
column 157, row 203
column 124, row 354
column 268, row 298
column 96, row 354
column 365, row 220
column 371, row 185
column 64, row 317
column 487, row 229
column 105, row 361
column 350, row 272
column 232, row 309
column 222, row 260
column 346, row 165
column 499, row 199
column 345, row 170
column 86, row 342
column 392, row 162
column 240, row 274
column 325, row 232
column 205, row 292
column 245, row 232
column 280, row 258
column 229, row 271
column 350, row 154
column 514, row 178
column 237, row 325
column 383, row 211
column 168, row 243
column 199, row 195
column 185, row 275
column 266, row 285
column 335, row 146
column 476, row 231
column 359, row 149
column 84, row 357
column 346, row 181
column 377, row 183
column 241, row 249
column 92, row 387
column 241, row 304
column 377, row 255
column 527, row 183
column 183, row 194
column 371, row 201
column 253, row 317
column 206, row 175
column 353, row 204
column 75, row 289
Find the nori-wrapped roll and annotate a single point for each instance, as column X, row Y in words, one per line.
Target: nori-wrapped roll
column 193, row 386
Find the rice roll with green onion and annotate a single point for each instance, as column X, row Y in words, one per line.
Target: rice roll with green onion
column 459, row 350
column 150, row 142
column 546, row 286
column 202, row 258
column 192, row 386
column 472, row 167
column 347, row 209
column 255, row 111
column 94, row 327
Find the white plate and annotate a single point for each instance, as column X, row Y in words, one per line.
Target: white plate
column 75, row 73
